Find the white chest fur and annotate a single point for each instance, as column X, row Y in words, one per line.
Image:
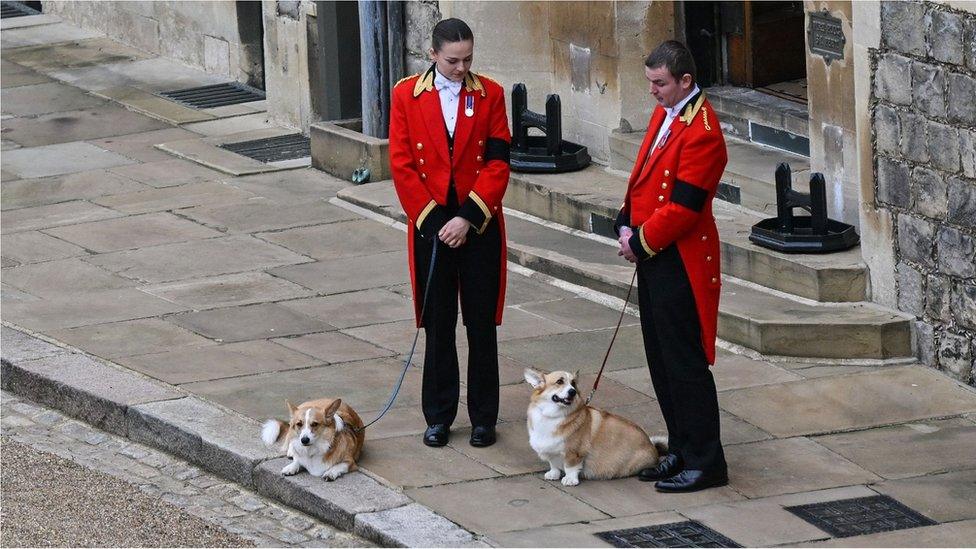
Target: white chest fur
column 311, row 458
column 542, row 433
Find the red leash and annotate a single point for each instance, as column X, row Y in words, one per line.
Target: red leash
column 596, row 382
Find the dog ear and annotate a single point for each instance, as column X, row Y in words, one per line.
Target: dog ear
column 534, row 378
column 333, row 408
column 576, row 376
column 291, row 407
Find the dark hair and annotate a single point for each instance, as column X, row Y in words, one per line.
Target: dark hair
column 675, row 56
column 450, row 30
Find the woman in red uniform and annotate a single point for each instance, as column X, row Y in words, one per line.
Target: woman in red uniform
column 449, row 154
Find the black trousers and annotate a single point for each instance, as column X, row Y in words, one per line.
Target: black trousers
column 474, row 269
column 682, row 381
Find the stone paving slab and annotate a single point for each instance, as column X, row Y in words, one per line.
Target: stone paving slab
column 219, row 361
column 579, row 313
column 15, row 75
column 352, row 309
column 130, row 337
column 142, row 146
column 60, row 159
column 579, row 534
column 167, row 173
column 50, row 190
column 58, row 277
column 35, row 246
column 153, row 105
column 244, row 323
column 518, row 324
column 154, row 75
column 19, row 346
column 46, row 98
column 291, row 185
column 227, row 290
column 881, row 397
column 351, row 238
column 404, row 461
column 207, row 153
column 83, row 388
column 412, row 526
column 733, row 371
column 11, row 294
column 945, row 497
column 137, row 231
column 94, row 307
column 28, row 21
column 582, row 351
column 86, row 52
column 231, row 126
column 334, row 347
column 756, row 469
column 184, row 260
column 349, row 274
column 173, row 198
column 77, row 125
column 648, row 415
column 938, row 446
column 511, row 453
column 265, row 215
column 504, row 504
column 46, row 34
column 954, row 534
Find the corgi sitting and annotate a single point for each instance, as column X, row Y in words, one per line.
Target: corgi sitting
column 325, row 437
column 577, row 438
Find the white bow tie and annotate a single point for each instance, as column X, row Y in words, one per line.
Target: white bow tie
column 455, row 87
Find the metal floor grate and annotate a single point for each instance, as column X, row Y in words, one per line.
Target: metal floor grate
column 215, row 95
column 273, row 149
column 859, row 516
column 16, row 9
column 690, row 533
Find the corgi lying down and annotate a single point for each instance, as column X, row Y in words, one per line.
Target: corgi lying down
column 580, row 439
column 324, row 437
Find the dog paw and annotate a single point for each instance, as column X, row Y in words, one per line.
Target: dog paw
column 291, row 469
column 553, row 474
column 570, row 481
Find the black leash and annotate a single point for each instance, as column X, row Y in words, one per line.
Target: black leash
column 596, row 382
column 406, row 364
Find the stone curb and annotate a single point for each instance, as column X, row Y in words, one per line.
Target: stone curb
column 222, row 442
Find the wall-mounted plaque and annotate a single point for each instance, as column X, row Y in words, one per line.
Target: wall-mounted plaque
column 825, row 34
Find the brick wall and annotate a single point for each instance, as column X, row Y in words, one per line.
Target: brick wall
column 924, row 122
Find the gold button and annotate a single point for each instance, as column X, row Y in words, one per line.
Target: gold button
column 421, row 161
column 420, row 146
column 477, row 172
column 666, row 173
column 664, row 185
column 423, row 176
column 704, row 238
column 708, row 258
column 481, row 142
column 714, row 280
column 479, row 158
column 660, row 198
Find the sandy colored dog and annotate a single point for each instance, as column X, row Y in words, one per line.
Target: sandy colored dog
column 324, row 437
column 577, row 438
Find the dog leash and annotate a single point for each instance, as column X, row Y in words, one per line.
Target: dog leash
column 623, row 309
column 406, row 364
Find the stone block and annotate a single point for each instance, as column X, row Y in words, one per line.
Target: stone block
column 916, row 238
column 340, row 151
column 221, row 442
column 894, row 186
column 216, row 55
column 969, row 43
column 18, row 346
column 964, row 304
column 887, row 129
column 914, row 145
column 925, row 342
column 893, row 79
column 956, row 251
column 962, row 202
column 938, row 297
column 945, row 37
column 411, row 526
column 336, row 502
column 83, row 388
column 911, row 290
column 903, row 26
column 955, row 355
column 943, row 144
column 962, row 105
column 929, row 89
column 967, row 147
column 930, row 193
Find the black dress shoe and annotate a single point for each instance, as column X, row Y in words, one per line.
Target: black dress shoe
column 671, row 465
column 437, row 435
column 482, row 435
column 692, row 480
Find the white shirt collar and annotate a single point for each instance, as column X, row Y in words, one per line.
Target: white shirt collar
column 442, row 82
column 675, row 110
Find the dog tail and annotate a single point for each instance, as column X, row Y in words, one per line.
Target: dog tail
column 661, row 443
column 273, row 431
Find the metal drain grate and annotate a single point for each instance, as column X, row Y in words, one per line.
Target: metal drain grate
column 273, row 149
column 677, row 534
column 859, row 516
column 215, row 95
column 16, row 9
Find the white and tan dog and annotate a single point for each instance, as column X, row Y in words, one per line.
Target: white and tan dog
column 577, row 438
column 325, row 437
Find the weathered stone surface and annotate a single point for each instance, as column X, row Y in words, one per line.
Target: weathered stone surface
column 411, row 526
column 928, row 89
column 261, row 321
column 967, row 149
column 56, row 278
column 54, row 215
column 168, row 173
column 914, row 143
column 227, row 290
column 894, row 185
column 136, row 231
column 962, row 202
column 911, row 290
column 893, row 79
column 68, row 310
column 903, row 27
column 77, row 125
column 945, row 37
column 946, row 497
column 227, row 445
column 131, row 337
column 60, row 188
column 956, row 251
column 348, row 239
column 334, row 347
column 925, row 342
column 35, row 246
column 969, row 43
column 400, row 463
column 938, row 301
column 349, row 274
column 916, row 239
column 953, row 534
column 172, row 198
column 46, row 98
column 956, row 355
column 263, row 215
column 18, row 346
column 336, row 502
column 351, row 309
column 964, row 304
column 943, row 143
column 962, row 107
column 930, row 193
column 888, row 130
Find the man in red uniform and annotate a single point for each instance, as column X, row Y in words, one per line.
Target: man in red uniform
column 449, row 154
column 666, row 226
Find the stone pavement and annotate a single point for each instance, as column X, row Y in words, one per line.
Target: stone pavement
column 246, row 291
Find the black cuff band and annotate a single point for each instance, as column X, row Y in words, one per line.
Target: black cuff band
column 623, row 220
column 689, row 195
column 433, row 223
column 637, row 247
column 472, row 212
column 497, row 149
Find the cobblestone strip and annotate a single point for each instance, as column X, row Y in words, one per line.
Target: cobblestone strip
column 175, row 481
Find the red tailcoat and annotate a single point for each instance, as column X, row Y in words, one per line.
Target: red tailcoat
column 423, row 167
column 669, row 197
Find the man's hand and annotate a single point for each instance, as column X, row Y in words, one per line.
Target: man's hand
column 624, row 240
column 455, row 232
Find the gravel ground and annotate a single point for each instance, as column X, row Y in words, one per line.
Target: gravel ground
column 50, row 501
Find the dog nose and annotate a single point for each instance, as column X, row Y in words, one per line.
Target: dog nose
column 571, row 393
column 305, row 441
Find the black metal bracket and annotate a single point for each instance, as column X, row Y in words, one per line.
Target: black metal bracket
column 815, row 233
column 542, row 154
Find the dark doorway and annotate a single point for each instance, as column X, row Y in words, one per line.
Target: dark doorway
column 250, row 28
column 335, row 71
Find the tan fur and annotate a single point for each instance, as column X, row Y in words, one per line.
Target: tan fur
column 345, row 446
column 607, row 445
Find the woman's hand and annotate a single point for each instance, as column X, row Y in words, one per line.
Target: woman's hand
column 455, row 232
column 624, row 241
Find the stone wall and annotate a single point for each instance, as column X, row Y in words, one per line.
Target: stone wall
column 924, row 125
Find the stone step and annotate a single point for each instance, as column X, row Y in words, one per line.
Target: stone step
column 588, row 200
column 762, row 118
column 765, row 321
